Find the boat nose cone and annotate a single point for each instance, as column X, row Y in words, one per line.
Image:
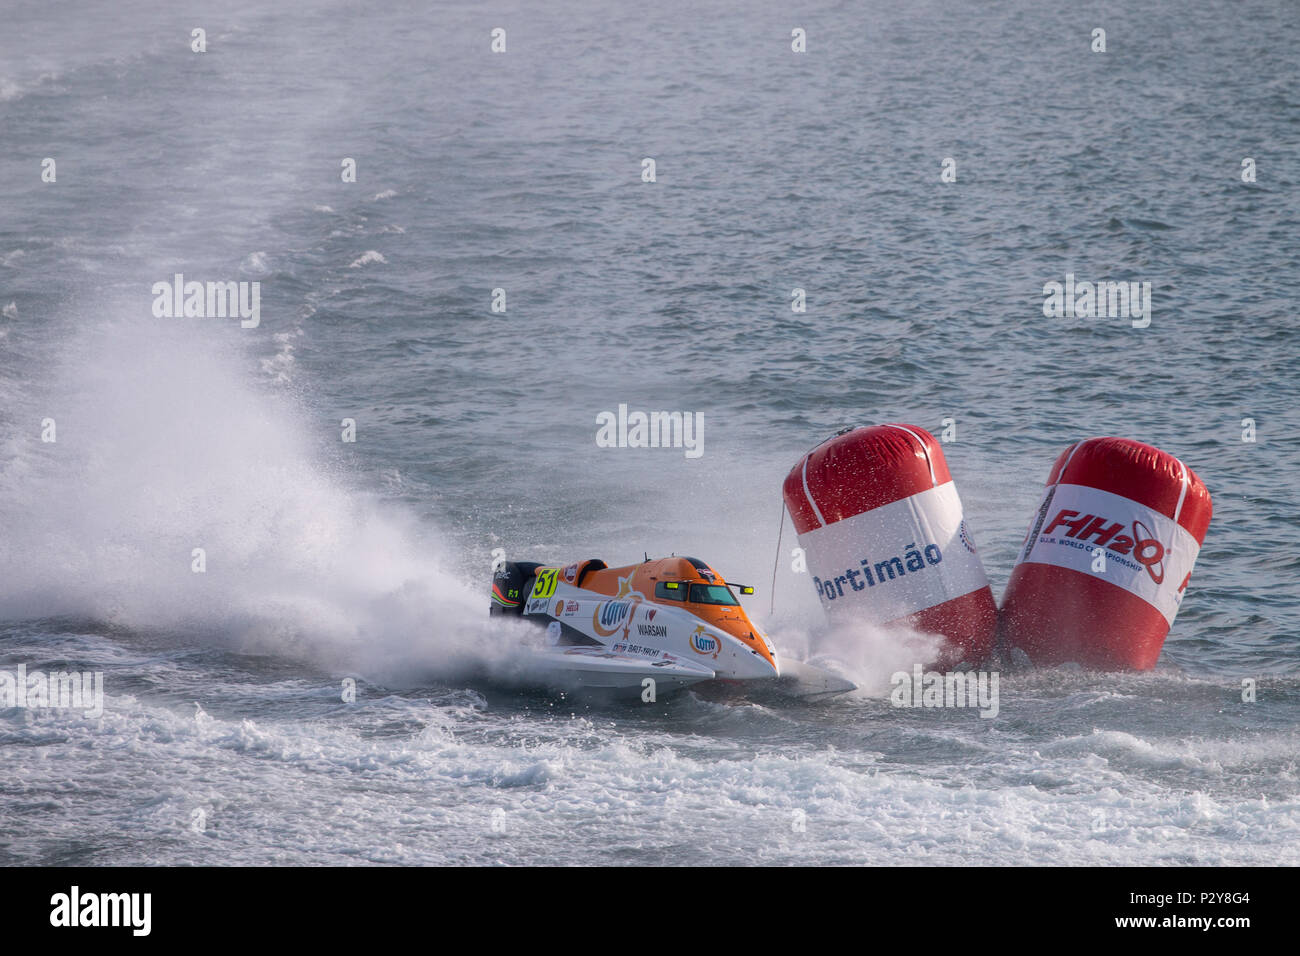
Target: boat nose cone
column 748, row 653
column 745, row 663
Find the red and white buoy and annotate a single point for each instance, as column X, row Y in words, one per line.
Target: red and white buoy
column 881, row 527
column 1107, row 559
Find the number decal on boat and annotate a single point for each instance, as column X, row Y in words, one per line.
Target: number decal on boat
column 546, row 581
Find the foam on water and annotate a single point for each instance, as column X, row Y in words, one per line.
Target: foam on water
column 443, row 781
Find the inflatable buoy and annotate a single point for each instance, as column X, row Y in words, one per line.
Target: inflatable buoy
column 1108, row 556
column 881, row 528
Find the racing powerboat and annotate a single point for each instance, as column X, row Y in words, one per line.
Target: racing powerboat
column 664, row 624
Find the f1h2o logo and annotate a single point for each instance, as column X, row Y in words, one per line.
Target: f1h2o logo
column 1148, row 552
column 1142, row 545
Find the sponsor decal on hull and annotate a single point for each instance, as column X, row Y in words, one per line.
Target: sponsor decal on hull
column 707, row 644
column 609, row 616
column 635, row 649
column 615, row 615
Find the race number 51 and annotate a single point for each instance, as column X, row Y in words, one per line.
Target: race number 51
column 547, row 578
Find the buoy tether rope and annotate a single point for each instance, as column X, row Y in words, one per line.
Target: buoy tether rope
column 777, row 562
